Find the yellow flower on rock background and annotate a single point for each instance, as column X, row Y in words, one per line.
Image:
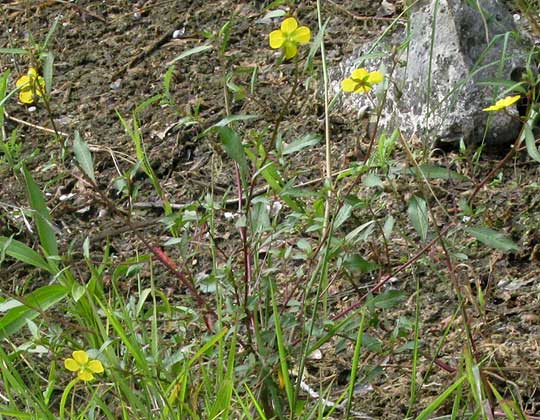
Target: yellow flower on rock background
column 83, row 365
column 361, row 81
column 289, row 36
column 31, row 85
column 503, row 103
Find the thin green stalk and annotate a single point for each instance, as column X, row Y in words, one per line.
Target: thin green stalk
column 328, row 150
column 291, row 396
column 65, row 394
column 354, row 368
column 416, row 349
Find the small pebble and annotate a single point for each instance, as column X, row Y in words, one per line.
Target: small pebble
column 116, row 84
column 32, row 109
column 530, row 318
column 65, row 197
column 83, row 210
column 178, row 33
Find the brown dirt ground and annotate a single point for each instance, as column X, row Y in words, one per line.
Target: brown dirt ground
column 101, row 67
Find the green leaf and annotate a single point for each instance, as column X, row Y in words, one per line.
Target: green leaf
column 267, row 18
column 50, row 34
column 530, row 142
column 418, row 215
column 361, row 233
column 3, row 89
column 388, row 226
column 229, row 119
column 303, row 142
column 40, row 215
column 315, row 45
column 223, row 400
column 234, row 148
column 23, row 253
column 343, row 214
column 83, row 156
column 385, row 147
column 492, row 238
column 388, row 299
column 190, row 52
column 30, row 306
column 371, row 180
column 371, row 343
column 145, row 104
column 20, row 51
column 282, row 348
column 437, row 402
column 48, row 61
column 435, row 172
column 356, row 263
column 275, row 181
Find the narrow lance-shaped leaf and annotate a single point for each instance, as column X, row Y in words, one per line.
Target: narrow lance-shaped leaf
column 41, row 215
column 234, row 148
column 343, row 214
column 418, row 215
column 83, row 156
column 225, row 121
column 3, row 89
column 435, row 172
column 357, row 263
column 48, row 61
column 192, row 51
column 492, row 238
column 22, row 252
column 530, row 141
column 30, row 307
column 301, row 143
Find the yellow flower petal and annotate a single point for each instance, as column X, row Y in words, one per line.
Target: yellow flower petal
column 71, row 365
column 95, row 366
column 276, row 38
column 32, row 73
column 26, row 96
column 81, row 357
column 301, row 35
column 503, row 103
column 85, row 375
column 289, row 25
column 509, row 100
column 375, row 77
column 359, row 74
column 23, row 80
column 348, row 85
column 290, row 49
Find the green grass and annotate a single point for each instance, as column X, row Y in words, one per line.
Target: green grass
column 238, row 342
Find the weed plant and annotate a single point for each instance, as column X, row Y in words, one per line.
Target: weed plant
column 237, row 341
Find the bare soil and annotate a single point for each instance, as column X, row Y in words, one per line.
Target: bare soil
column 112, row 56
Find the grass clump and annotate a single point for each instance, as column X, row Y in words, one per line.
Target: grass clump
column 273, row 294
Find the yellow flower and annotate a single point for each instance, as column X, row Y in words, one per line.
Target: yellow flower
column 361, row 81
column 289, row 36
column 503, row 103
column 83, row 365
column 31, row 85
